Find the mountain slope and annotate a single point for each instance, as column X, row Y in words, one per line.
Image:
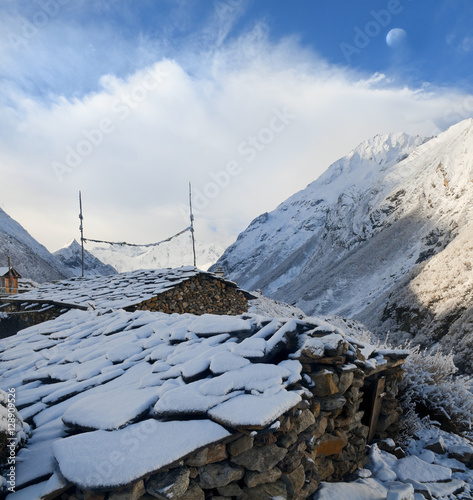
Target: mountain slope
column 328, row 215
column 433, row 303
column 71, row 257
column 393, row 213
column 31, row 259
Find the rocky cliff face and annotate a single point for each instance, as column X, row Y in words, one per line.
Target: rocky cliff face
column 381, row 236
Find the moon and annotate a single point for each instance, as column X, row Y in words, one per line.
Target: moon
column 396, row 38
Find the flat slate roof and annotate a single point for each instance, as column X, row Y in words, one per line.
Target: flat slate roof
column 116, row 291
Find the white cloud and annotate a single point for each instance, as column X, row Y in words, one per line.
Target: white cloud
column 467, row 44
column 262, row 119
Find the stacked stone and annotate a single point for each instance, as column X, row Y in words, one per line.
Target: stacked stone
column 336, row 439
column 24, row 315
column 199, row 294
column 323, row 438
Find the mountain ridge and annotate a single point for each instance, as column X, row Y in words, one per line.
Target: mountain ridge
column 352, row 242
column 31, row 259
column 305, row 214
column 71, row 256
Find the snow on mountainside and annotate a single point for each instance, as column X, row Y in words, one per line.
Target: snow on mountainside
column 175, row 253
column 71, row 257
column 31, row 259
column 391, row 219
column 276, row 246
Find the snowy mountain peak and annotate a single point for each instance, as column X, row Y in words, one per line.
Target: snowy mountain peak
column 369, row 158
column 309, row 214
column 71, row 257
column 71, row 244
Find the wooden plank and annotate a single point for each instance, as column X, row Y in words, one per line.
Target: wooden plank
column 376, row 406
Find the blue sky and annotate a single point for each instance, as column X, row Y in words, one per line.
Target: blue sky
column 128, row 100
column 438, row 51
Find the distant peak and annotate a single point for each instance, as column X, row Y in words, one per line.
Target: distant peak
column 382, row 150
column 72, row 244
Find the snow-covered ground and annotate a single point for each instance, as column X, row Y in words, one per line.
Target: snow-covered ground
column 422, row 474
column 268, row 307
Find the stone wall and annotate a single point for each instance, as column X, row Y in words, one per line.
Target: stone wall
column 200, row 294
column 16, row 316
column 323, row 438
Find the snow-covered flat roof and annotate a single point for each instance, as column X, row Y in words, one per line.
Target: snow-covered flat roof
column 114, row 376
column 168, row 384
column 116, row 291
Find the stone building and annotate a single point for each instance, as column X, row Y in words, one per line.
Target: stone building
column 180, row 290
column 142, row 405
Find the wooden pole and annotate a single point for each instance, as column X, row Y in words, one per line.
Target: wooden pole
column 81, row 228
column 192, row 223
column 10, row 276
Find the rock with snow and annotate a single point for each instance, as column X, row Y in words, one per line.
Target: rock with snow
column 437, row 445
column 428, row 456
column 444, row 490
column 414, row 468
column 173, row 439
column 400, row 491
column 462, row 453
column 208, row 324
column 117, row 409
column 362, row 489
column 420, row 488
column 254, row 411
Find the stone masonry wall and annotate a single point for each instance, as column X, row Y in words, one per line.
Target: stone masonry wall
column 323, row 438
column 198, row 295
column 18, row 317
